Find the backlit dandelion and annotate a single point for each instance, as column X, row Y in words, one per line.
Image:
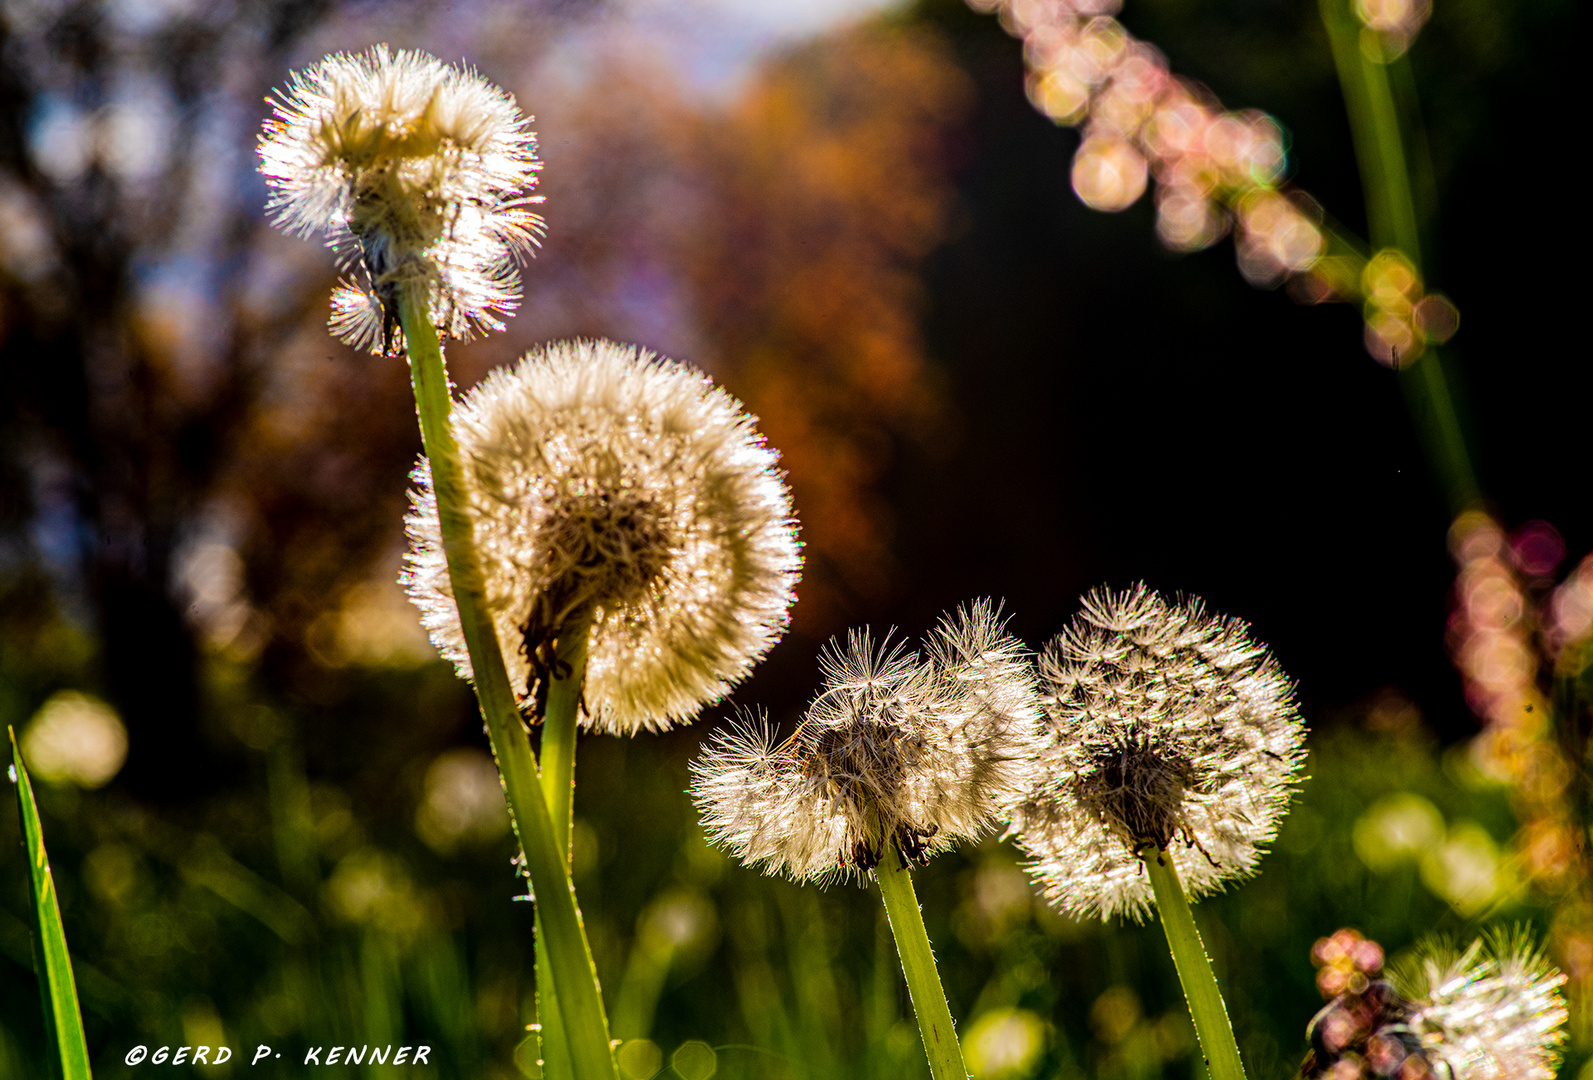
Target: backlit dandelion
column 1170, row 729
column 605, row 483
column 1495, row 1011
column 423, row 171
column 899, row 756
column 901, row 750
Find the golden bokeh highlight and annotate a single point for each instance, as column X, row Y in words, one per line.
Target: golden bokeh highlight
column 76, row 739
column 1108, row 174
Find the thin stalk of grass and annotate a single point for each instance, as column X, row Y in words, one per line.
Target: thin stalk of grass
column 560, row 727
column 63, row 1019
column 1394, row 222
column 1206, row 1007
column 918, row 965
column 569, row 955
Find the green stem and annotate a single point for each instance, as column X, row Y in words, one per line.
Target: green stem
column 918, row 965
column 1399, row 228
column 559, row 726
column 1393, row 221
column 559, row 729
column 1431, row 402
column 1206, row 1006
column 553, row 1044
column 569, row 954
column 1344, row 39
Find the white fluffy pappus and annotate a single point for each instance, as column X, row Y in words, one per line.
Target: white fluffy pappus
column 600, row 478
column 422, row 170
column 1494, row 1012
column 1169, row 728
column 897, row 748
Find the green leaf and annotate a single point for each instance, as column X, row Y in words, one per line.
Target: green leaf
column 63, row 1022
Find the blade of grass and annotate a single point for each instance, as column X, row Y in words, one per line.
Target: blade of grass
column 63, row 1021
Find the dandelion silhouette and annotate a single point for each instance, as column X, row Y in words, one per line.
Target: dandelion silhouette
column 609, row 486
column 1174, row 748
column 1170, row 730
column 417, row 172
column 897, row 749
column 898, row 757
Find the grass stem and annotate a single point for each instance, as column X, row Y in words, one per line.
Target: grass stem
column 1381, row 151
column 547, row 863
column 918, row 965
column 1206, row 1007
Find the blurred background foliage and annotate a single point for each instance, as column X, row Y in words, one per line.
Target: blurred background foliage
column 269, row 807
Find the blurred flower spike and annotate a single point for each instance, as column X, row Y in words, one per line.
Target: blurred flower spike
column 610, row 485
column 1518, row 641
column 1141, row 121
column 1346, row 961
column 1401, row 320
column 1215, row 169
column 421, row 170
column 900, row 749
column 1170, row 729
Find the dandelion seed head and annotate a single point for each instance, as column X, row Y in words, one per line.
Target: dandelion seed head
column 422, row 170
column 902, row 749
column 601, row 478
column 1168, row 728
column 1493, row 1012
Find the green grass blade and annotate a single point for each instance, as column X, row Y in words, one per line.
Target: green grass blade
column 63, row 1022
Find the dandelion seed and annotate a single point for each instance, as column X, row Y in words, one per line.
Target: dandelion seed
column 601, row 479
column 1169, row 729
column 423, row 171
column 897, row 749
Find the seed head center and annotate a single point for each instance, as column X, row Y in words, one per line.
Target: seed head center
column 1138, row 791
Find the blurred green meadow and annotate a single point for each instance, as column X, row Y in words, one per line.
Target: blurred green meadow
column 270, row 809
column 297, row 913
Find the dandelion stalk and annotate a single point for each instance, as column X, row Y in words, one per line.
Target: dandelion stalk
column 1176, row 745
column 557, row 756
column 1206, row 1006
column 918, row 966
column 553, row 1044
column 557, row 760
column 569, row 955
